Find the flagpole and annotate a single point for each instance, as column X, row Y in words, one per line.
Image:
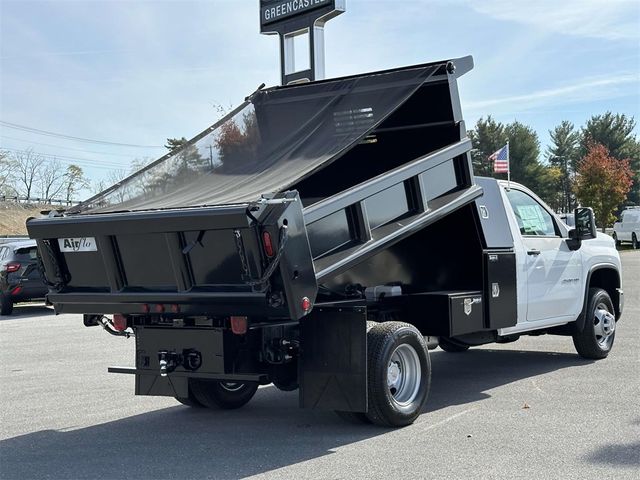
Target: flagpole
column 508, row 168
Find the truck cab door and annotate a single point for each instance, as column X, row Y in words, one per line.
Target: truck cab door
column 553, row 271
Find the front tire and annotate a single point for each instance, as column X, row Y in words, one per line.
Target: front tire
column 595, row 341
column 225, row 395
column 399, row 375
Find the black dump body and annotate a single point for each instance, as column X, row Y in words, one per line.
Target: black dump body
column 331, row 174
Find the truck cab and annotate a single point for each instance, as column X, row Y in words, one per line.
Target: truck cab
column 553, row 276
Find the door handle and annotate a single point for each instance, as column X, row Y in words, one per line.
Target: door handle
column 533, row 251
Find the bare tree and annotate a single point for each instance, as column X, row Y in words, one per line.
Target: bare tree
column 7, row 171
column 51, row 179
column 98, row 186
column 114, row 178
column 74, row 181
column 28, row 165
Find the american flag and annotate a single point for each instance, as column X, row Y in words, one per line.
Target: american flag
column 500, row 160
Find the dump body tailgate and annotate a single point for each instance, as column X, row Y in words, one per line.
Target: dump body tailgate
column 198, row 261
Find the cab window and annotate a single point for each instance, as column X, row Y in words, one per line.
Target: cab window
column 532, row 218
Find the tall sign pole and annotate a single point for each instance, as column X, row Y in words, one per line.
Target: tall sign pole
column 300, row 26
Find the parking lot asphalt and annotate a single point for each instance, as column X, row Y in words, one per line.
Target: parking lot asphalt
column 529, row 409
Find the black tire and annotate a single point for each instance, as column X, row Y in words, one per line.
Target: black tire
column 6, row 306
column 285, row 377
column 452, row 346
column 634, row 242
column 399, row 345
column 190, row 401
column 595, row 341
column 353, row 417
column 225, row 395
column 356, row 417
column 615, row 239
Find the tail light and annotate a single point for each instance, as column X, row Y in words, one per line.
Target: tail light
column 305, row 304
column 239, row 325
column 17, row 290
column 119, row 322
column 13, row 267
column 267, row 244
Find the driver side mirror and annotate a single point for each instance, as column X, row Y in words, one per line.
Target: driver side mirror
column 585, row 223
column 585, row 227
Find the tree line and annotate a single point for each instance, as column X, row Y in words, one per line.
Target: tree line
column 28, row 175
column 596, row 165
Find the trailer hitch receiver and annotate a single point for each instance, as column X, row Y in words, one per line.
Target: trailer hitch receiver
column 168, row 362
column 190, row 359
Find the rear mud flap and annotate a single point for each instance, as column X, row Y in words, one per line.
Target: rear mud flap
column 333, row 361
column 169, row 386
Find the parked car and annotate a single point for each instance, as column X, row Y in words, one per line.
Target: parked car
column 628, row 228
column 20, row 279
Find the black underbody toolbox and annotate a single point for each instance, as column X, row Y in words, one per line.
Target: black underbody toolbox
column 446, row 313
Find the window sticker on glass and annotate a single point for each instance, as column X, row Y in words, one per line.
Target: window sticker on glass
column 532, row 219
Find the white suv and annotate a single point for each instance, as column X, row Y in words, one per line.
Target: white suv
column 628, row 228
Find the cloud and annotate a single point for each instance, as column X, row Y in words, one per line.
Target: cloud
column 606, row 19
column 595, row 88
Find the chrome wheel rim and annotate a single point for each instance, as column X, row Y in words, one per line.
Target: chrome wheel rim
column 231, row 386
column 604, row 326
column 403, row 376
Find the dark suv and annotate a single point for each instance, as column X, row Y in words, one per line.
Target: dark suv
column 19, row 275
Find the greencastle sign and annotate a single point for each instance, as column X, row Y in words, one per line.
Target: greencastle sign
column 273, row 11
column 304, row 20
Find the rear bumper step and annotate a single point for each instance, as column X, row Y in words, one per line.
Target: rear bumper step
column 260, row 378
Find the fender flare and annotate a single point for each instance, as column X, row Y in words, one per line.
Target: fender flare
column 579, row 323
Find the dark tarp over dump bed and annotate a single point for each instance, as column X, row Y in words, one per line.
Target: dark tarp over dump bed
column 275, row 139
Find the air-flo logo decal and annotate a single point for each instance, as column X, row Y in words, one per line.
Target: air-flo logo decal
column 286, row 8
column 83, row 244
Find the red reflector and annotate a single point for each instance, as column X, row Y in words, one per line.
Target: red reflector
column 145, row 308
column 239, row 325
column 175, row 308
column 306, row 303
column 13, row 267
column 16, row 290
column 119, row 322
column 159, row 308
column 267, row 243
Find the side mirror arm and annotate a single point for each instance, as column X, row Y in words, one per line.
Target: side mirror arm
column 574, row 242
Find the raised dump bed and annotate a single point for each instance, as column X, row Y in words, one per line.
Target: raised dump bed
column 254, row 216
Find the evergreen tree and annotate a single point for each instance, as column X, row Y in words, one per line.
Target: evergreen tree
column 564, row 153
column 524, row 151
column 487, row 137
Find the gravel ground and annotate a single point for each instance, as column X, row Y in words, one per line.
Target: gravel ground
column 530, row 409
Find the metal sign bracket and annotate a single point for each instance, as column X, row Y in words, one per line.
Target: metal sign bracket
column 300, row 26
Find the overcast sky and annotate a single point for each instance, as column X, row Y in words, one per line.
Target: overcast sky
column 136, row 72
